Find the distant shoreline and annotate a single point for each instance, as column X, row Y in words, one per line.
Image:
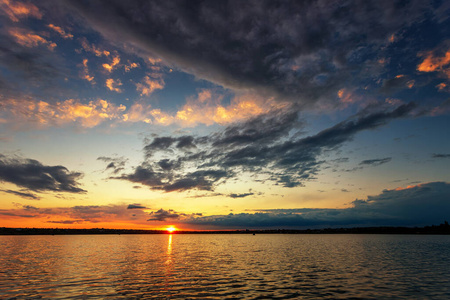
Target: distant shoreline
column 427, row 230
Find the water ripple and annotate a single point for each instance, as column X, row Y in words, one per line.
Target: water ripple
column 225, row 267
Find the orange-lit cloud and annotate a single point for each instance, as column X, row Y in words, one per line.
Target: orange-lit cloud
column 141, row 112
column 85, row 72
column 138, row 113
column 69, row 111
column 441, row 86
column 154, row 61
column 207, row 109
column 392, row 38
column 88, row 115
column 435, row 63
column 408, row 187
column 30, row 39
column 93, row 49
column 161, row 118
column 346, row 96
column 113, row 85
column 110, row 67
column 61, row 31
column 131, row 66
column 17, row 10
column 149, row 85
column 382, row 61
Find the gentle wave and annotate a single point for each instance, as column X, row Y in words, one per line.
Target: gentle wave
column 225, row 267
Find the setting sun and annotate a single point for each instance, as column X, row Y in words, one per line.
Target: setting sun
column 171, row 229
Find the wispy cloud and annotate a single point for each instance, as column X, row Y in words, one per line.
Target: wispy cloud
column 149, row 85
column 91, row 48
column 17, row 10
column 61, row 31
column 263, row 145
column 243, row 195
column 376, row 161
column 135, row 206
column 30, row 39
column 26, row 195
column 115, row 164
column 84, row 73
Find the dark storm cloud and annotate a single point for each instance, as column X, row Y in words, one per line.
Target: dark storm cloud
column 300, row 50
column 266, row 146
column 420, row 205
column 376, row 162
column 135, row 206
column 22, row 194
column 33, row 175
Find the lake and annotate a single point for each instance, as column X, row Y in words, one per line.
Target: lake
column 225, row 266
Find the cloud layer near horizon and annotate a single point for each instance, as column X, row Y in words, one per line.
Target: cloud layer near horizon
column 419, row 205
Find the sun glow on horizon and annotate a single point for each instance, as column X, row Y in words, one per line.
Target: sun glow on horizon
column 171, row 229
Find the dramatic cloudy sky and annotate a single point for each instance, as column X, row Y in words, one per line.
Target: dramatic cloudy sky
column 224, row 114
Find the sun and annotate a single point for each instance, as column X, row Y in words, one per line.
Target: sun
column 171, row 229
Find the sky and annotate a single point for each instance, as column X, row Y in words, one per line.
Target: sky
column 210, row 115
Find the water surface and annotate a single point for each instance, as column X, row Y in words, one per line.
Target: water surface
column 221, row 266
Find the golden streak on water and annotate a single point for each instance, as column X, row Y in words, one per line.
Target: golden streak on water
column 169, row 246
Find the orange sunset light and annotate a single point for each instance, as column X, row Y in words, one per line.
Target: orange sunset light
column 171, row 229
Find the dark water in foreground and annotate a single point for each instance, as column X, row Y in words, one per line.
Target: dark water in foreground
column 225, row 267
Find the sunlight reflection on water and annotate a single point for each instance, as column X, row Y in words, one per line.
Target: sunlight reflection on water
column 225, row 266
